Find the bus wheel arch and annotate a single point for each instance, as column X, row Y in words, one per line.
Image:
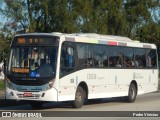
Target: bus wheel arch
column 80, row 95
column 132, row 92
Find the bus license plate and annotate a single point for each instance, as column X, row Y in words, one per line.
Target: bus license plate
column 27, row 95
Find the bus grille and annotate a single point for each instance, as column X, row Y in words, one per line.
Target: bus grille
column 29, row 83
column 34, row 96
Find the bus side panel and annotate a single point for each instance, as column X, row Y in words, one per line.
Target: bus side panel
column 150, row 83
column 104, row 83
column 98, row 82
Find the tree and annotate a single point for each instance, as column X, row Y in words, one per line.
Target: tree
column 138, row 13
column 37, row 15
column 15, row 12
column 26, row 14
column 150, row 33
column 120, row 17
column 62, row 17
column 4, row 43
column 84, row 18
column 116, row 17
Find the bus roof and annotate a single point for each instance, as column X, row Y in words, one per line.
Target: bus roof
column 87, row 35
column 96, row 38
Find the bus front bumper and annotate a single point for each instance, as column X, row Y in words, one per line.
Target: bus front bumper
column 48, row 95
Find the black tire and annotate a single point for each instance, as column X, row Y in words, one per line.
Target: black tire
column 36, row 104
column 79, row 98
column 132, row 93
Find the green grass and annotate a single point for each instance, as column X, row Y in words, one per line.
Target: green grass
column 2, row 85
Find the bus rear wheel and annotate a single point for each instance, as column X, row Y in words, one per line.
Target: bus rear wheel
column 132, row 93
column 79, row 98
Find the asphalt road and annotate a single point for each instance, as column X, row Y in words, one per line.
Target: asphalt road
column 147, row 102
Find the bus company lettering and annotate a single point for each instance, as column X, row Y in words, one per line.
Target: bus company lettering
column 91, row 76
column 101, row 78
column 137, row 76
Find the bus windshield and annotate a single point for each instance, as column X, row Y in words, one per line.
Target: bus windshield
column 28, row 61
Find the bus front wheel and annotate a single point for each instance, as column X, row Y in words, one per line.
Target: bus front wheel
column 132, row 93
column 79, row 98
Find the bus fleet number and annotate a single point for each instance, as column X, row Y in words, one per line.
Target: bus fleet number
column 91, row 76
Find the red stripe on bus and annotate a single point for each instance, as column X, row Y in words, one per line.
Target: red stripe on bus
column 112, row 43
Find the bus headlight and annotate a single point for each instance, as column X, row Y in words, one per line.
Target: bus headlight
column 50, row 85
column 9, row 84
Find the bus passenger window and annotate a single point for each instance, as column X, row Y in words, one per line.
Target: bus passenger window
column 84, row 55
column 140, row 58
column 128, row 57
column 67, row 60
column 115, row 56
column 100, row 56
column 89, row 62
column 151, row 58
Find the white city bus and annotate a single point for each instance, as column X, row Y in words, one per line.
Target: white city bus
column 77, row 67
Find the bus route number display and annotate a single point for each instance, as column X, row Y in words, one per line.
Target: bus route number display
column 28, row 40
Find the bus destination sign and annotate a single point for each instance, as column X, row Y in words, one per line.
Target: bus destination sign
column 29, row 40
